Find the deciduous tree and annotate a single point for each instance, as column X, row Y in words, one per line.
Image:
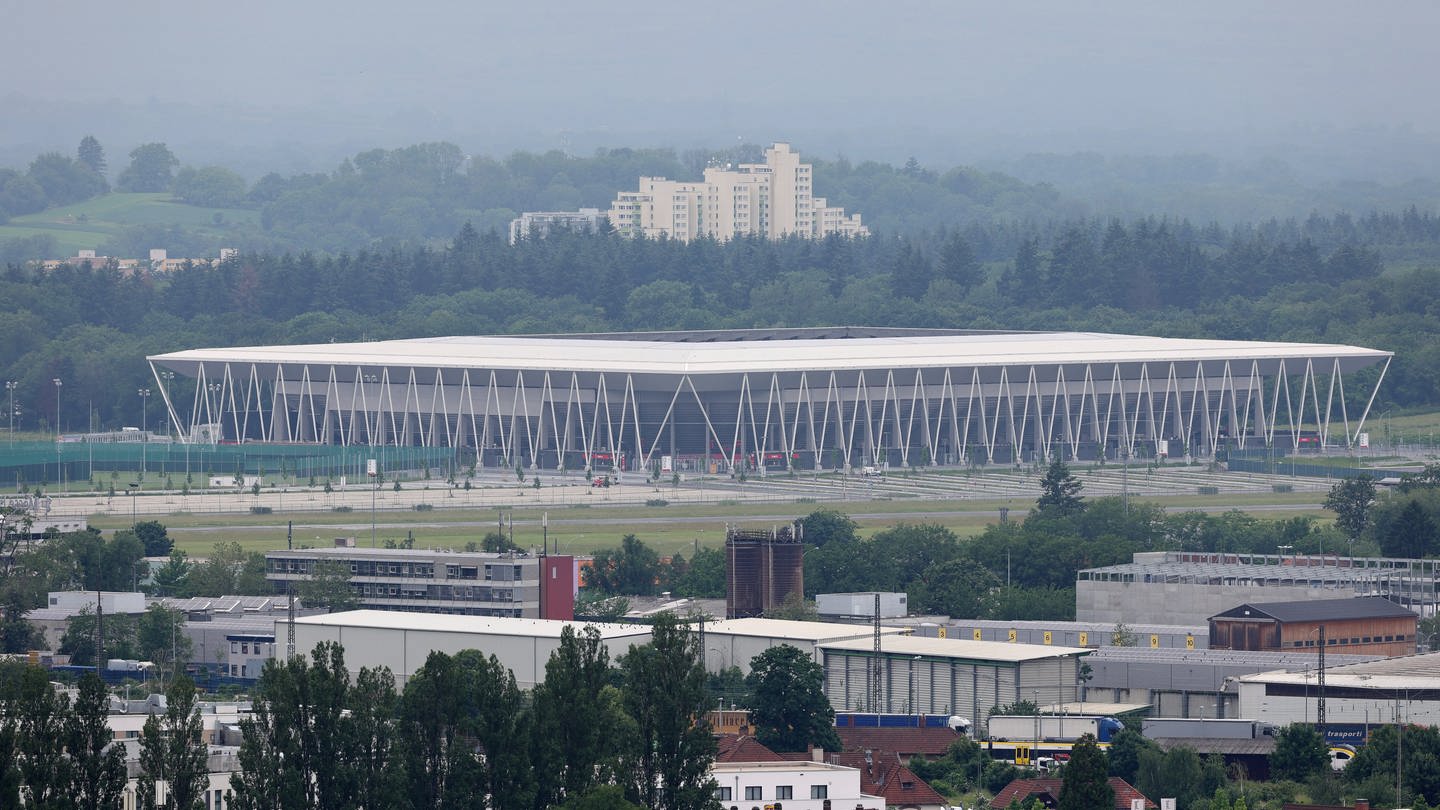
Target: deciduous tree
column 173, row 752
column 1086, row 785
column 151, row 169
column 788, row 703
column 669, row 767
column 98, row 777
column 1351, row 500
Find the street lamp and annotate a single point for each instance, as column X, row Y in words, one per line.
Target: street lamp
column 134, row 486
column 59, row 472
column 144, row 426
column 166, row 379
column 10, row 388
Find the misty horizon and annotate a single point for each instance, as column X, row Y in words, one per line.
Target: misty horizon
column 1333, row 86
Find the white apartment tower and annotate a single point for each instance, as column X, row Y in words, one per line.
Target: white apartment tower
column 773, row 199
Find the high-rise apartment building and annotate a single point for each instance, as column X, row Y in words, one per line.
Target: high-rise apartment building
column 773, row 199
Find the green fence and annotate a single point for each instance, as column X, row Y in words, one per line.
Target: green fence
column 46, row 463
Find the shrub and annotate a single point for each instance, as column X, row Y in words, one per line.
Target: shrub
column 1208, row 490
column 344, row 509
column 424, row 507
column 656, row 502
column 1280, row 488
column 260, row 510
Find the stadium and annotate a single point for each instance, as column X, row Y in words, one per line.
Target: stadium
column 779, row 399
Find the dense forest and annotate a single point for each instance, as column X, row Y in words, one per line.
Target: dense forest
column 1323, row 280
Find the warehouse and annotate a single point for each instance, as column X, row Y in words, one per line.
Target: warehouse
column 402, row 641
column 773, row 399
column 1357, row 696
column 1188, row 587
column 733, row 642
column 936, row 676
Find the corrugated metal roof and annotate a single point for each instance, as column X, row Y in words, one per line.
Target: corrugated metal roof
column 958, row 648
column 796, row 630
column 736, row 356
column 1319, row 610
column 478, row 625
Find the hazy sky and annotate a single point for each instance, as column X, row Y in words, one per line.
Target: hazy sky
column 506, row 71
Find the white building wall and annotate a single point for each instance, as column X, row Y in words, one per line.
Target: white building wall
column 764, row 780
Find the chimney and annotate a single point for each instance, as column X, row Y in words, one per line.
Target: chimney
column 817, row 754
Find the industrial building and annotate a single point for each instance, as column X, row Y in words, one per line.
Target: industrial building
column 935, row 676
column 1186, row 683
column 1357, row 696
column 1361, row 625
column 471, row 583
column 1188, row 587
column 762, row 569
column 772, row 399
column 402, row 641
column 732, row 643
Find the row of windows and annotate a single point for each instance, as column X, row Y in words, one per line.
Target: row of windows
column 753, row 793
column 243, row 648
column 1332, row 642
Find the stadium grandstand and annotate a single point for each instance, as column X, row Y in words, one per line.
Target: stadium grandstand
column 779, row 399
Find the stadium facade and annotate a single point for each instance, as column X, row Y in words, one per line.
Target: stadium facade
column 768, row 399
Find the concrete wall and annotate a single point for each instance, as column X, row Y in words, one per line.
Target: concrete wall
column 1179, row 603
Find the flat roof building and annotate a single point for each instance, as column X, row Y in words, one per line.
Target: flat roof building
column 1188, row 587
column 936, row 676
column 471, row 583
column 403, row 640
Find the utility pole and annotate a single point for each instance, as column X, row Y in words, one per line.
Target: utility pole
column 876, row 667
column 290, row 597
column 1320, row 683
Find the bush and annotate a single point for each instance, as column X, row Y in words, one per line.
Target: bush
column 1282, row 488
column 1208, row 490
column 344, row 509
column 656, row 502
column 424, row 507
column 260, row 510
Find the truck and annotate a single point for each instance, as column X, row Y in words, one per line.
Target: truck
column 1159, row 728
column 1051, row 727
column 887, row 720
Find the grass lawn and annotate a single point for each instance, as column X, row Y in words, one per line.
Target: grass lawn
column 667, row 529
column 89, row 224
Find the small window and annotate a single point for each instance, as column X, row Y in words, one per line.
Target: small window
column 819, row 791
column 784, row 792
column 752, row 792
column 722, row 794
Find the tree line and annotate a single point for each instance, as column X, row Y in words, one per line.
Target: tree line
column 92, row 327
column 461, row 734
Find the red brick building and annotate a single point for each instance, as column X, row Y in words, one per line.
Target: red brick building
column 1363, row 625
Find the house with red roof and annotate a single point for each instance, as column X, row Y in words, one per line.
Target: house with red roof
column 1047, row 790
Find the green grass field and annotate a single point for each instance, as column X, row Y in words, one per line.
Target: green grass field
column 88, row 225
column 667, row 529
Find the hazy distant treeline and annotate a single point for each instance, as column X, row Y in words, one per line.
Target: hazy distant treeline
column 92, row 328
column 423, row 194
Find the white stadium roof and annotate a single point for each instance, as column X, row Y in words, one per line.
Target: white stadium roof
column 620, row 355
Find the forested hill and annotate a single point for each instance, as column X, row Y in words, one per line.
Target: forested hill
column 1323, row 280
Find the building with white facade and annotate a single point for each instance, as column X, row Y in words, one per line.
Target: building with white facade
column 472, row 583
column 801, row 785
column 774, row 199
column 540, row 224
column 402, row 641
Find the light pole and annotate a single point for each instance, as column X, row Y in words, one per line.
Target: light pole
column 214, row 389
column 59, row 471
column 134, row 486
column 10, row 388
column 144, row 426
